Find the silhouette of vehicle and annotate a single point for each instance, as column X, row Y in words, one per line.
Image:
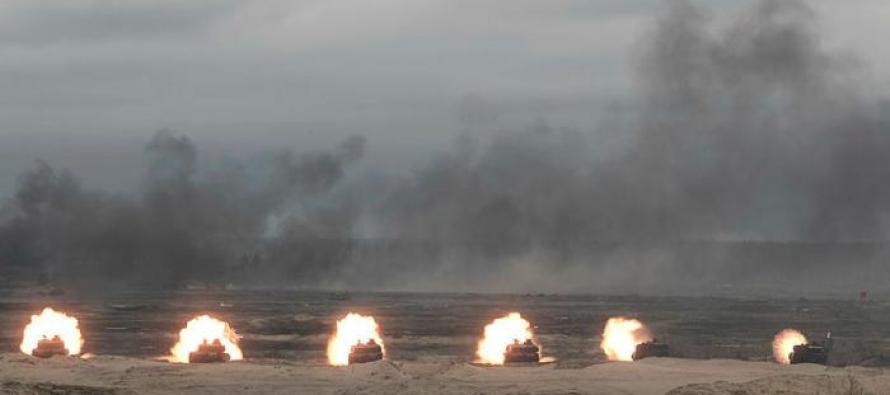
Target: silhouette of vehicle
column 522, row 352
column 209, row 352
column 652, row 348
column 813, row 352
column 49, row 347
column 365, row 352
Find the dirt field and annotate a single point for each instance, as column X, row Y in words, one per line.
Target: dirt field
column 122, row 375
column 430, row 339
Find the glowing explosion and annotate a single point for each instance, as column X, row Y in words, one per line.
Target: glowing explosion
column 621, row 336
column 784, row 342
column 499, row 334
column 48, row 324
column 351, row 330
column 201, row 329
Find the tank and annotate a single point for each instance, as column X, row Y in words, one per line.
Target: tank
column 49, row 347
column 652, row 348
column 209, row 352
column 365, row 352
column 522, row 352
column 809, row 353
column 814, row 352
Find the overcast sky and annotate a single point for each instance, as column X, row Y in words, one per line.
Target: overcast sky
column 86, row 82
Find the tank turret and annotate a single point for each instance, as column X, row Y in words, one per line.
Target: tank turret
column 652, row 348
column 809, row 353
column 522, row 352
column 49, row 347
column 209, row 352
column 365, row 352
column 813, row 352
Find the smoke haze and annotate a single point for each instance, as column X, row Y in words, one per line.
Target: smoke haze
column 753, row 157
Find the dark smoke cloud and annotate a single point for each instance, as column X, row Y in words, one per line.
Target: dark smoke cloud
column 754, row 157
column 754, row 133
column 752, row 143
column 743, row 135
column 181, row 228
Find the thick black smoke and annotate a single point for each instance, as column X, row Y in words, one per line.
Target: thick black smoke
column 752, row 134
column 753, row 158
column 181, row 228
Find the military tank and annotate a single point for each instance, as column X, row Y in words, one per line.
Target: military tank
column 209, row 352
column 652, row 348
column 365, row 352
column 49, row 347
column 522, row 352
column 813, row 352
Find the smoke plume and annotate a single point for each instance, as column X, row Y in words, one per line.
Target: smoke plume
column 180, row 228
column 753, row 156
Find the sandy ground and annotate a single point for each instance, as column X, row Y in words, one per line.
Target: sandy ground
column 296, row 325
column 21, row 374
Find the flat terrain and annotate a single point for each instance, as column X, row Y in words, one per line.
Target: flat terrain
column 121, row 375
column 430, row 339
column 295, row 326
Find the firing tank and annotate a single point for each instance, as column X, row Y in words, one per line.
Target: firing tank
column 813, row 352
column 209, row 352
column 652, row 348
column 49, row 347
column 365, row 352
column 522, row 352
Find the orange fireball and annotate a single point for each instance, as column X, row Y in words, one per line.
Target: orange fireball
column 499, row 334
column 351, row 330
column 784, row 342
column 621, row 337
column 48, row 324
column 205, row 329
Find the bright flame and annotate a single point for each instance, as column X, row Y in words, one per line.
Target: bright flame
column 351, row 330
column 205, row 328
column 784, row 342
column 48, row 324
column 499, row 334
column 621, row 336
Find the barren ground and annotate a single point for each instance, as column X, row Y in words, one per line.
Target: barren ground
column 431, row 338
column 122, row 375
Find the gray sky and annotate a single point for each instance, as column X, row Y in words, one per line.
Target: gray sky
column 85, row 83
